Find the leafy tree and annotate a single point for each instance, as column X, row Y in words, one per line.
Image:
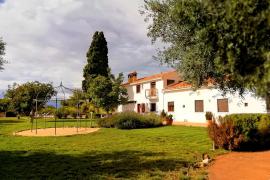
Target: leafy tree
column 107, row 92
column 2, row 53
column 22, row 97
column 4, row 104
column 226, row 40
column 97, row 60
column 77, row 97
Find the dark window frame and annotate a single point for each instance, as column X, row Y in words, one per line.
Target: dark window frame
column 170, row 81
column 220, row 106
column 199, row 108
column 143, row 107
column 139, row 108
column 153, row 105
column 138, row 88
column 171, row 106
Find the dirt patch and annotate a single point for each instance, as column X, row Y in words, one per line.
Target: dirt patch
column 190, row 124
column 59, row 132
column 241, row 165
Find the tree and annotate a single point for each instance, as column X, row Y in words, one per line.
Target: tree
column 97, row 60
column 225, row 40
column 107, row 92
column 4, row 104
column 2, row 53
column 22, row 97
column 77, row 97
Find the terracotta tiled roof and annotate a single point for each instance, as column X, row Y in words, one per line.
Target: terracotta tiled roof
column 152, row 77
column 187, row 85
column 180, row 85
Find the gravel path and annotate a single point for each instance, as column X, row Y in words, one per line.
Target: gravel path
column 59, row 132
column 241, row 166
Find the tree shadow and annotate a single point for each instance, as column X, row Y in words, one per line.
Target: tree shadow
column 91, row 165
column 6, row 122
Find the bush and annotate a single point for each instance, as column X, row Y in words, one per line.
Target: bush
column 106, row 122
column 241, row 132
column 61, row 113
column 11, row 114
column 208, row 115
column 131, row 120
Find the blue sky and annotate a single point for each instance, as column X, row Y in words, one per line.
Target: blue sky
column 47, row 40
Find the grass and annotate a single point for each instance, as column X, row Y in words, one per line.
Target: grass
column 157, row 153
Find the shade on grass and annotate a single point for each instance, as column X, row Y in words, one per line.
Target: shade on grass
column 109, row 153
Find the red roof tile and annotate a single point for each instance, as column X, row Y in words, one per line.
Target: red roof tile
column 152, row 77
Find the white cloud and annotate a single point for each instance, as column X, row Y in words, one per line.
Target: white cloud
column 47, row 39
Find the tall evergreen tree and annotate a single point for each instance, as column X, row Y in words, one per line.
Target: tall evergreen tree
column 97, row 60
column 2, row 52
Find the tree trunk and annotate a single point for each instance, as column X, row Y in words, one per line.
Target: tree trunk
column 267, row 99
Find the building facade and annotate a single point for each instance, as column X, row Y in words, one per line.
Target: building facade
column 166, row 91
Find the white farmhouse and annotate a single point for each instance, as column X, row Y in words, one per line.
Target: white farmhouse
column 166, row 91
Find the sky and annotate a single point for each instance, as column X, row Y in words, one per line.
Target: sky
column 47, row 40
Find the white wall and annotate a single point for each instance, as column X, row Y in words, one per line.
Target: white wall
column 209, row 96
column 141, row 97
column 187, row 98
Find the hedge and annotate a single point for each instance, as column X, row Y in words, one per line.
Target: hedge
column 241, row 132
column 131, row 120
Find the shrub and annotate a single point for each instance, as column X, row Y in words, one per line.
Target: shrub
column 106, row 122
column 11, row 114
column 61, row 113
column 208, row 115
column 225, row 134
column 49, row 110
column 131, row 120
column 241, row 131
column 163, row 114
column 72, row 111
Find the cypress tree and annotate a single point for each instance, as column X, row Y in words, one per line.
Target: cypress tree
column 97, row 60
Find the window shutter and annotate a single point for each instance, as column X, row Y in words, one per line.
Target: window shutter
column 143, row 108
column 199, row 106
column 171, row 106
column 223, row 105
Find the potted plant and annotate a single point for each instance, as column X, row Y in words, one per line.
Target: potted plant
column 163, row 116
column 209, row 117
column 169, row 119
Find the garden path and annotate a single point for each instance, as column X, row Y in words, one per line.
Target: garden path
column 241, row 166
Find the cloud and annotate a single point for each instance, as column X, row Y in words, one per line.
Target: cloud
column 47, row 40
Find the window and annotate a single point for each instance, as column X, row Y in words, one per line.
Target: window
column 169, row 81
column 171, row 106
column 222, row 105
column 138, row 108
column 246, row 104
column 143, row 108
column 153, row 85
column 138, row 89
column 153, row 107
column 198, row 105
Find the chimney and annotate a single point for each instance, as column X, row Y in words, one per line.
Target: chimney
column 132, row 77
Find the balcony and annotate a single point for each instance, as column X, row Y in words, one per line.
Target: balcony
column 151, row 93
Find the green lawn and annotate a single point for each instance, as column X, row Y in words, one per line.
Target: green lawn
column 158, row 153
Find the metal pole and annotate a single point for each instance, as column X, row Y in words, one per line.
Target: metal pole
column 63, row 123
column 31, row 124
column 85, row 122
column 36, row 116
column 45, row 122
column 91, row 119
column 77, row 115
column 55, row 117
